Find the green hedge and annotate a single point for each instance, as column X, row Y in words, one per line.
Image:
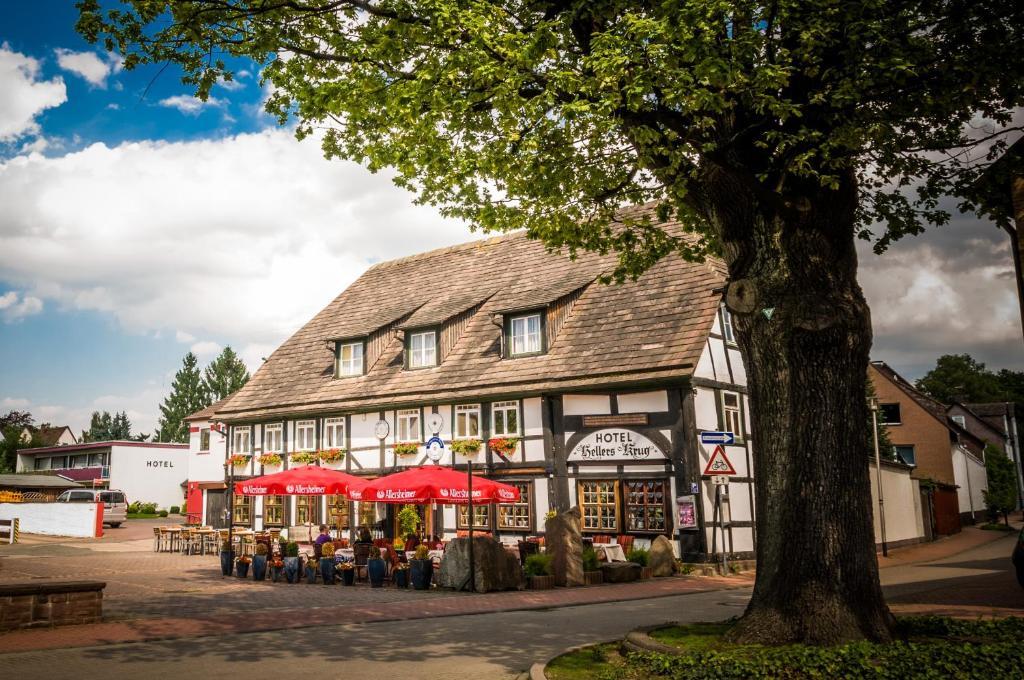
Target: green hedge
column 930, row 647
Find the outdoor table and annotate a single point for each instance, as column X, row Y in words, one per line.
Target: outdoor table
column 174, row 535
column 347, row 553
column 433, row 554
column 612, row 552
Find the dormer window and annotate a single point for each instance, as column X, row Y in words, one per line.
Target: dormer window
column 525, row 335
column 422, row 349
column 350, row 358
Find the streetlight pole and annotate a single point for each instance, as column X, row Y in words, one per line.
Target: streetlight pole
column 878, row 475
column 472, row 565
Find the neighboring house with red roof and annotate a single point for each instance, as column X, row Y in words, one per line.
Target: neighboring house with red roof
column 602, row 390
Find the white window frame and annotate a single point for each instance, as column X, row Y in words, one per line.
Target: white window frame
column 241, row 440
column 305, row 435
column 525, row 342
column 960, row 420
column 272, row 432
column 334, row 433
column 727, row 330
column 504, row 407
column 426, row 355
column 407, row 426
column 460, row 429
column 353, row 365
column 732, row 416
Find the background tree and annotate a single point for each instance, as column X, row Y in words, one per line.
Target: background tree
column 224, row 375
column 188, row 395
column 104, row 427
column 1001, row 494
column 12, row 426
column 958, row 377
column 776, row 133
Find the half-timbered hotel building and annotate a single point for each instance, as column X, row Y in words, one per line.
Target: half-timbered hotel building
column 603, row 388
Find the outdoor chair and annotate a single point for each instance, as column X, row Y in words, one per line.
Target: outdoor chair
column 158, row 540
column 167, row 543
column 361, row 553
column 627, row 543
column 209, row 542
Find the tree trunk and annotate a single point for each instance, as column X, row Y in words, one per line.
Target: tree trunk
column 805, row 333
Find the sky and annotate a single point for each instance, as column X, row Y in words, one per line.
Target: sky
column 138, row 223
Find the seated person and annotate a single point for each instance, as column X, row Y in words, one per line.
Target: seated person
column 318, row 544
column 411, row 541
column 364, row 536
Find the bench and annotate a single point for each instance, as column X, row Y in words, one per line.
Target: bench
column 9, row 528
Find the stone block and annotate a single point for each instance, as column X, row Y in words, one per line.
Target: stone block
column 495, row 568
column 563, row 540
column 661, row 558
column 620, row 572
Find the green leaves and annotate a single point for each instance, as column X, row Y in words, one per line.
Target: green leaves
column 547, row 116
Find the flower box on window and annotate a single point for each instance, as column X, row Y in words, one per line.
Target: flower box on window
column 406, row 449
column 239, row 459
column 304, row 457
column 269, row 459
column 504, row 446
column 466, row 447
column 332, row 455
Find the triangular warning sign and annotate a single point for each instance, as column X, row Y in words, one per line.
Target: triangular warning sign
column 719, row 464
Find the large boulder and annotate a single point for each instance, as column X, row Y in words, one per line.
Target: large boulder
column 563, row 540
column 620, row 572
column 661, row 558
column 495, row 567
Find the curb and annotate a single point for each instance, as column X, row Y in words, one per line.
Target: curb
column 639, row 640
column 537, row 669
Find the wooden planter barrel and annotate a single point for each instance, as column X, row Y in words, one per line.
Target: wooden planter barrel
column 542, row 582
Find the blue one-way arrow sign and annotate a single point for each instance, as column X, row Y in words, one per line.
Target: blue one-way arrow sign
column 717, row 438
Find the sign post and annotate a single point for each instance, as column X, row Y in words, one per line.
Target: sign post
column 719, row 468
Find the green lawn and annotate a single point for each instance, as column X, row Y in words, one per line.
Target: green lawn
column 140, row 515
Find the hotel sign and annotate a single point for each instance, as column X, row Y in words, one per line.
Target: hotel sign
column 615, row 444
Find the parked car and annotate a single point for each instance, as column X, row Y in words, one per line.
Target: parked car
column 115, row 507
column 1018, row 558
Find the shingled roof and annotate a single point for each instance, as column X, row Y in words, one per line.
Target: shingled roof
column 650, row 329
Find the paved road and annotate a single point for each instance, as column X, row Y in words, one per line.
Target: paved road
column 498, row 645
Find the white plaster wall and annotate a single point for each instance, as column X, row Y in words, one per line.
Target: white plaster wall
column 739, row 502
column 643, row 402
column 54, row 519
column 902, row 494
column 739, row 371
column 705, row 368
column 706, row 410
column 586, row 404
column 534, row 449
column 971, row 480
column 531, row 416
column 150, row 474
column 540, row 503
column 209, row 466
column 718, row 356
column 361, row 435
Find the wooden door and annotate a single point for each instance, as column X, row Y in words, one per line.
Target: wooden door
column 216, row 504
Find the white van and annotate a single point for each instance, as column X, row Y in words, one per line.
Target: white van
column 115, row 508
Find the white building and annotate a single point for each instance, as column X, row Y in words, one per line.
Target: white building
column 144, row 471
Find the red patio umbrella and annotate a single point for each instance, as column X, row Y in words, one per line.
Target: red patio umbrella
column 308, row 480
column 434, row 484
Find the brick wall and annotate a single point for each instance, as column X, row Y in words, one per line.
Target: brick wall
column 35, row 605
column 929, row 437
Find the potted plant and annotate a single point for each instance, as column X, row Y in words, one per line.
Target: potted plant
column 640, row 556
column 408, row 520
column 327, row 563
column 466, row 447
column 304, row 457
column 268, row 459
column 503, row 446
column 592, row 575
column 242, row 566
column 259, row 563
column 376, row 567
column 276, row 567
column 401, row 575
column 332, row 455
column 239, row 460
column 348, row 573
column 291, row 562
column 538, row 571
column 422, row 568
column 311, row 568
column 405, row 448
column 227, row 558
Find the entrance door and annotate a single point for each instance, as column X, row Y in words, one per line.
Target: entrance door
column 216, row 504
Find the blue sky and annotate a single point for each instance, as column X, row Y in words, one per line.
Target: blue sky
column 136, row 228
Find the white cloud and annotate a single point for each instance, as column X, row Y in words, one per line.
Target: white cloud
column 232, row 85
column 235, row 241
column 24, row 95
column 8, row 403
column 205, row 348
column 184, row 337
column 141, row 408
column 89, row 66
column 37, row 145
column 15, row 308
column 189, row 105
